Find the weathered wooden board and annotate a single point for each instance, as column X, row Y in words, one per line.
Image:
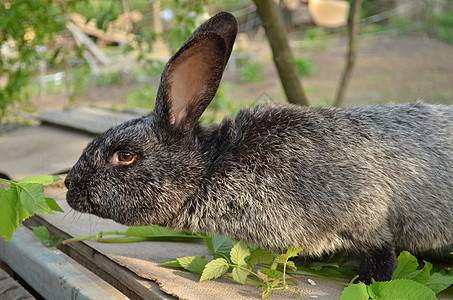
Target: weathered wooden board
column 40, row 150
column 87, row 119
column 11, row 289
column 51, row 273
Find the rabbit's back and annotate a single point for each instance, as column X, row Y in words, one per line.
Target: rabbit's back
column 382, row 166
column 422, row 214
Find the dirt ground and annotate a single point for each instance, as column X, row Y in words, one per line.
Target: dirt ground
column 389, row 69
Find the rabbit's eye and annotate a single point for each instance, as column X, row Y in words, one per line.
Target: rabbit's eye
column 123, row 157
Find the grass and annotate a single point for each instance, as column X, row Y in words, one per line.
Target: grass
column 442, row 26
column 250, row 72
column 304, row 66
column 142, row 97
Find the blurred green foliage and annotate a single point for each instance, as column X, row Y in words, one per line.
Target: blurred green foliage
column 442, row 26
column 304, row 66
column 142, row 97
column 25, row 27
column 250, row 72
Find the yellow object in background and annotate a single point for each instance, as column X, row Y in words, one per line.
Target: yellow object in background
column 329, row 13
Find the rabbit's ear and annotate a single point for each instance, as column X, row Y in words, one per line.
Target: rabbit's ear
column 224, row 24
column 192, row 76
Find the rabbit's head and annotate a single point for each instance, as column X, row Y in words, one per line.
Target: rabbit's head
column 140, row 172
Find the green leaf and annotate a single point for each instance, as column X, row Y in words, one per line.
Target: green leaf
column 282, row 258
column 240, row 274
column 219, row 246
column 41, row 179
column 41, row 233
column 260, row 256
column 56, row 241
column 214, row 269
column 30, row 194
column 401, row 289
column 318, row 266
column 407, row 264
column 439, row 282
column 53, row 205
column 421, row 276
column 239, row 253
column 160, row 233
column 407, row 269
column 42, row 207
column 22, row 213
column 9, row 218
column 147, row 231
column 266, row 293
column 355, row 292
column 193, row 263
column 339, row 271
column 271, row 273
column 171, row 264
column 276, row 282
column 293, row 251
column 290, row 265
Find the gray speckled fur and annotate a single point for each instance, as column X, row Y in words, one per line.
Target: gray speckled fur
column 369, row 179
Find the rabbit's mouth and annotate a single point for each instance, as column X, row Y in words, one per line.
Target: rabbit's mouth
column 87, row 202
column 80, row 201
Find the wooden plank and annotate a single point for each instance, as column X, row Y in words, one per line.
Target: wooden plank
column 88, row 119
column 11, row 289
column 118, row 276
column 40, row 150
column 51, row 273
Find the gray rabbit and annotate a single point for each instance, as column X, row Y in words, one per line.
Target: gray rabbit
column 373, row 180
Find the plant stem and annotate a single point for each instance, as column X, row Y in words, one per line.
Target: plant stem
column 256, row 282
column 318, row 276
column 122, row 240
column 130, row 239
column 8, row 182
column 98, row 238
column 284, row 273
column 79, row 239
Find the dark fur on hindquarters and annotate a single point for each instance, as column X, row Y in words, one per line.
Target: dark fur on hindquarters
column 378, row 264
column 370, row 179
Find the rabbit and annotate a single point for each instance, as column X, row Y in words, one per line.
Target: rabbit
column 373, row 180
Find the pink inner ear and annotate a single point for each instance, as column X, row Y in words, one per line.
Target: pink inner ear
column 189, row 78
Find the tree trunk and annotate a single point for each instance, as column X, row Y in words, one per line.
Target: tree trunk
column 353, row 32
column 283, row 58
